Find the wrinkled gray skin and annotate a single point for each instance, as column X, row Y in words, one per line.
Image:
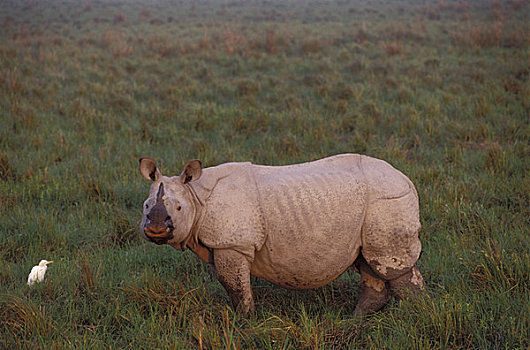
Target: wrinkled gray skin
column 298, row 226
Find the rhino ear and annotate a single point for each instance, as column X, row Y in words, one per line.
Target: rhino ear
column 148, row 169
column 192, row 171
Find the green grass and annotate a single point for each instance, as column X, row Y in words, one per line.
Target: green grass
column 440, row 89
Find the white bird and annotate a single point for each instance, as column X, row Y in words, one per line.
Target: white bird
column 37, row 272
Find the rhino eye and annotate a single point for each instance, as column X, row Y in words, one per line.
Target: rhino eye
column 179, row 207
column 147, row 206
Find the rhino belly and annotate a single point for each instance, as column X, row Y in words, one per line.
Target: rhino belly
column 313, row 228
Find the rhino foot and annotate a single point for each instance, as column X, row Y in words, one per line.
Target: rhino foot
column 232, row 269
column 409, row 283
column 374, row 293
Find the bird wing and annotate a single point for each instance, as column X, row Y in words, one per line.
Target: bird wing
column 41, row 272
column 33, row 275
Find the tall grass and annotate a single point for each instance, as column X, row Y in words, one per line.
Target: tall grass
column 439, row 89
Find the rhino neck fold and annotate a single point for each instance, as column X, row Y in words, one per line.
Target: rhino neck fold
column 198, row 204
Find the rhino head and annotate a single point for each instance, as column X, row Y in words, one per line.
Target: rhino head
column 170, row 210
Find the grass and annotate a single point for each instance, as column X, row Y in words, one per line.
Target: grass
column 440, row 89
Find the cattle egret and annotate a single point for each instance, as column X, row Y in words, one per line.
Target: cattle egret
column 37, row 272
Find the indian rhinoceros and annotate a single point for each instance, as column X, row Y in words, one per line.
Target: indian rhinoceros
column 298, row 226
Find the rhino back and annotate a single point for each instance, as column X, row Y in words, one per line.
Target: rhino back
column 313, row 214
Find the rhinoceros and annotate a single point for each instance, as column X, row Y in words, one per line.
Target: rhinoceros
column 298, row 226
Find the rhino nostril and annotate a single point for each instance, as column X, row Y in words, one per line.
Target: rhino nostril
column 148, row 217
column 168, row 218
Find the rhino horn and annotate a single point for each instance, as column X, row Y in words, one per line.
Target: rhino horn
column 160, row 193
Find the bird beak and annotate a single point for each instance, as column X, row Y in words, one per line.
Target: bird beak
column 48, row 262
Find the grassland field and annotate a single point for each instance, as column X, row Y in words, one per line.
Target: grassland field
column 439, row 89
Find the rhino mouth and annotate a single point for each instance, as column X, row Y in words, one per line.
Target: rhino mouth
column 159, row 235
column 160, row 241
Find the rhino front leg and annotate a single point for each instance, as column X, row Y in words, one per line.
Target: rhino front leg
column 232, row 269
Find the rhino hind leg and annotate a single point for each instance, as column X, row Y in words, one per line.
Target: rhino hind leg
column 374, row 292
column 232, row 269
column 391, row 245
